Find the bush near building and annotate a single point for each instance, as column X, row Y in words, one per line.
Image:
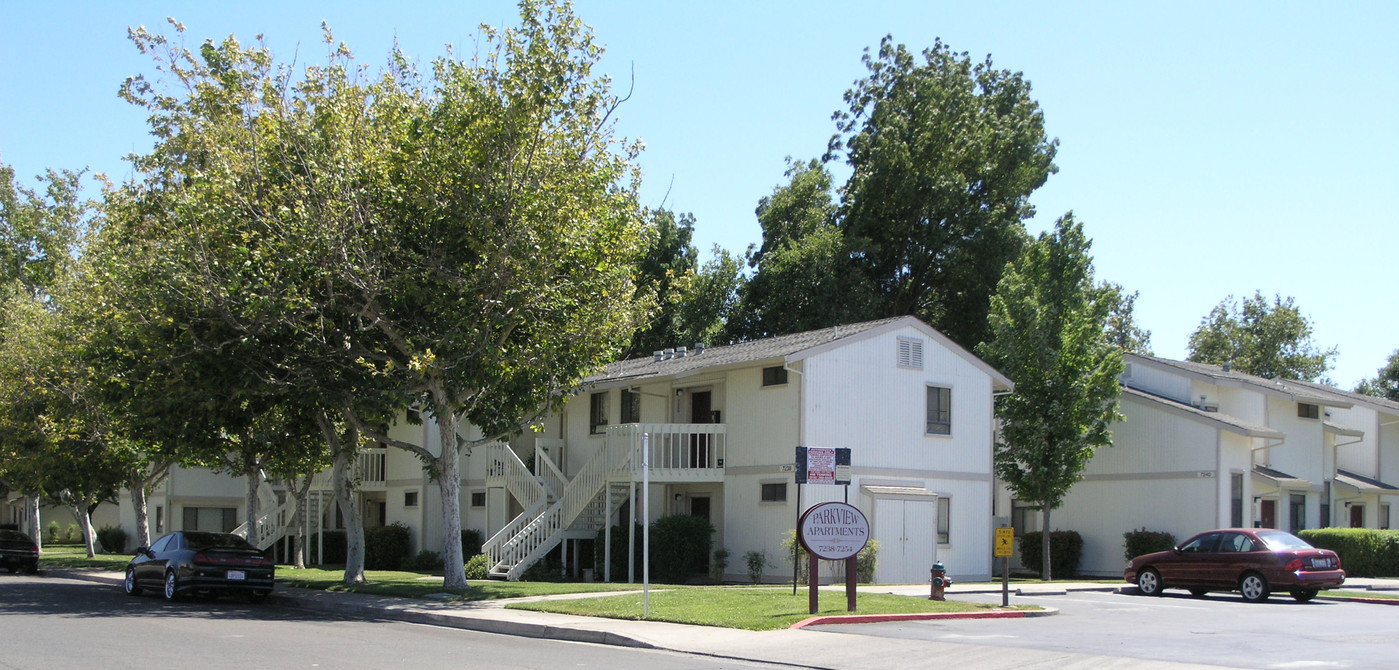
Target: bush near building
column 1364, row 552
column 1142, row 541
column 1065, row 550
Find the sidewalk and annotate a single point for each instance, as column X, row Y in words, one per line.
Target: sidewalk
column 797, row 647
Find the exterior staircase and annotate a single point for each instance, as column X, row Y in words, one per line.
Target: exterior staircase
column 277, row 510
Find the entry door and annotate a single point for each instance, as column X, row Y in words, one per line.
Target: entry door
column 907, row 534
column 1357, row 516
column 700, row 403
column 1268, row 515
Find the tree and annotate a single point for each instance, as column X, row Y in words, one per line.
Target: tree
column 1385, row 384
column 1048, row 320
column 1269, row 340
column 804, row 278
column 667, row 264
column 1122, row 328
column 944, row 156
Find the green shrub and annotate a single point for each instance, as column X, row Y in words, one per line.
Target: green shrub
column 385, row 547
column 478, row 567
column 1065, row 550
column 680, row 547
column 334, row 548
column 112, row 539
column 1142, row 541
column 866, row 561
column 51, row 532
column 423, row 561
column 547, row 569
column 719, row 565
column 1364, row 552
column 74, row 534
column 619, row 554
column 470, row 542
column 756, row 561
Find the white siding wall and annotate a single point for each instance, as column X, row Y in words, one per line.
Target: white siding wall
column 1301, row 455
column 1160, row 382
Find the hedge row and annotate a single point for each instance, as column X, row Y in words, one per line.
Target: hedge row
column 1142, row 541
column 1364, row 552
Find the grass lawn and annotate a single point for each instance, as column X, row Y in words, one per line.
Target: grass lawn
column 747, row 608
column 1378, row 595
column 75, row 556
column 418, row 584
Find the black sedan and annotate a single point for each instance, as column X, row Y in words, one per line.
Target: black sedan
column 186, row 562
column 1252, row 561
column 18, row 552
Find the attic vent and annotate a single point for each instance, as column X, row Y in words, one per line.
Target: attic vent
column 659, row 355
column 910, row 353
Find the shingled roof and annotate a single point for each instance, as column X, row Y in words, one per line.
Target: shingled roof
column 1297, row 390
column 780, row 348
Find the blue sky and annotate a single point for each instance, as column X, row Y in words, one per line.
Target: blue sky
column 1209, row 149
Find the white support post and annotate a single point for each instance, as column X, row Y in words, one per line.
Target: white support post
column 646, row 527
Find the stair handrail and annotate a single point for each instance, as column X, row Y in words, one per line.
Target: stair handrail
column 548, row 472
column 542, row 533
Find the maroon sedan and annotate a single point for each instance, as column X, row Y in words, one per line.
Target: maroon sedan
column 1252, row 561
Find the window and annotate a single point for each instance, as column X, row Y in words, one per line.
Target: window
column 1384, row 517
column 410, row 498
column 1297, row 511
column 774, row 376
column 939, row 411
column 631, row 406
column 478, row 498
column 214, row 519
column 1236, row 499
column 910, row 353
column 1308, row 410
column 944, row 520
column 1202, row 545
column 775, row 492
column 162, row 543
column 597, row 421
column 159, row 519
column 1326, row 521
column 1235, row 542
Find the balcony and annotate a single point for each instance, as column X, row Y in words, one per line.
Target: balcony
column 678, row 452
column 371, row 471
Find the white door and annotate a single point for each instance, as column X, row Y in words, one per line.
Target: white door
column 906, row 531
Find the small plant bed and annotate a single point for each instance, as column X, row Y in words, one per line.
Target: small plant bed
column 749, row 609
column 75, row 556
column 413, row 585
column 1353, row 595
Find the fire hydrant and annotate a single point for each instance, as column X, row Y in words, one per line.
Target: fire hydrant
column 940, row 581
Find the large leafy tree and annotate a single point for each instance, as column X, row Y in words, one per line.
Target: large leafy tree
column 1266, row 338
column 1122, row 327
column 1048, row 321
column 668, row 263
column 804, row 277
column 1385, row 383
column 944, row 153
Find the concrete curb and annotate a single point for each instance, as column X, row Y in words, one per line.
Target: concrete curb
column 1368, row 601
column 925, row 616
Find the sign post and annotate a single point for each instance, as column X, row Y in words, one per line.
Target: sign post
column 833, row 531
column 1005, row 548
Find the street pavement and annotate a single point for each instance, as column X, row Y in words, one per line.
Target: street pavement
column 796, row 647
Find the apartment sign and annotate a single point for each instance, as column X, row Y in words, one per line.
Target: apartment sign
column 834, row 531
column 822, row 465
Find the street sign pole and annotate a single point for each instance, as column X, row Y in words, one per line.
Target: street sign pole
column 1005, row 548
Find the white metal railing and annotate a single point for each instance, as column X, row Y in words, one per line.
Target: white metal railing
column 371, row 469
column 543, row 532
column 547, row 472
column 504, row 464
column 675, row 446
column 270, row 525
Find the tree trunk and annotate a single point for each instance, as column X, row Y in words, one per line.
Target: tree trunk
column 1045, row 572
column 344, row 473
column 254, row 478
column 449, row 485
column 36, row 529
column 138, row 503
column 297, row 493
column 80, row 514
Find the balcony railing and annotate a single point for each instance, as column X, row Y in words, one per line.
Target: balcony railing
column 371, row 470
column 678, row 451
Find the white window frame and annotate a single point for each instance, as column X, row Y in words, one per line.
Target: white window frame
column 928, row 388
column 596, row 427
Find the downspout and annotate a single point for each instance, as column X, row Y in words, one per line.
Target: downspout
column 801, row 404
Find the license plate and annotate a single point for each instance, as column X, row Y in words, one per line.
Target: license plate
column 1321, row 562
column 237, row 575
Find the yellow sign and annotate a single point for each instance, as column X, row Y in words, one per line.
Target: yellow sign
column 1005, row 542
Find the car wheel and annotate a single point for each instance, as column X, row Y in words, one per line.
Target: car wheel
column 1303, row 595
column 1254, row 587
column 1199, row 593
column 130, row 585
column 1149, row 582
column 171, row 586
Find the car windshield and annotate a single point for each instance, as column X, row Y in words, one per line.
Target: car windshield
column 1280, row 541
column 215, row 541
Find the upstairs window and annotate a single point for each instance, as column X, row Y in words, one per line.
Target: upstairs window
column 1308, row 411
column 631, row 406
column 939, row 411
column 410, row 498
column 774, row 376
column 597, row 415
column 910, row 353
